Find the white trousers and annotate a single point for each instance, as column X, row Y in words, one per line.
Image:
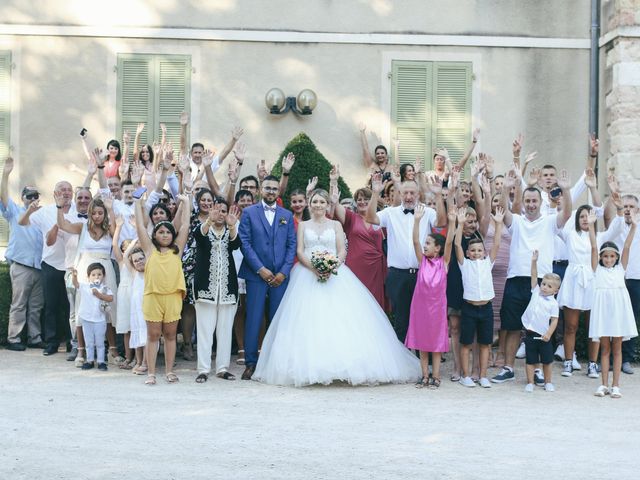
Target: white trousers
column 212, row 318
column 94, row 337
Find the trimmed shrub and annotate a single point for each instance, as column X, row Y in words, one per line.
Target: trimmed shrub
column 309, row 163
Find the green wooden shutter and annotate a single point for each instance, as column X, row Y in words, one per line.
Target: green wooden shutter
column 411, row 112
column 431, row 107
column 452, row 112
column 5, row 117
column 173, row 95
column 153, row 89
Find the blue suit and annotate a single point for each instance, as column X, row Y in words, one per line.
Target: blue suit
column 269, row 246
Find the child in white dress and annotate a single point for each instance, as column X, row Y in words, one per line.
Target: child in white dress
column 138, row 339
column 612, row 319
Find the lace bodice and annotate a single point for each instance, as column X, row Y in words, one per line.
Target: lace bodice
column 314, row 242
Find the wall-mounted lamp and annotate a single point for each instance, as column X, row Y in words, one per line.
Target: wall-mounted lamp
column 278, row 103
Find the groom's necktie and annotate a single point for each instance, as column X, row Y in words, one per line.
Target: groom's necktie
column 267, row 208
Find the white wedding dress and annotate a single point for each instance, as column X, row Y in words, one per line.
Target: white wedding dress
column 333, row 331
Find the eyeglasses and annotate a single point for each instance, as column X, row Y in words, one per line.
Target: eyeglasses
column 163, row 200
column 32, row 196
column 270, row 189
column 247, row 187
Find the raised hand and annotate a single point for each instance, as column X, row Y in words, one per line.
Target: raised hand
column 99, row 156
column 311, row 185
column 334, row 195
column 534, row 256
column 454, row 178
column 184, row 118
column 214, row 213
column 475, row 135
column 183, row 163
column 419, row 211
column 376, row 183
column 163, row 129
column 417, row 166
column 563, row 179
column 435, row 184
column 232, row 215
column 614, row 186
column 534, row 177
column 616, row 198
column 108, row 202
column 182, row 198
column 234, row 170
column 530, row 157
column 461, row 215
column 488, row 165
column 498, row 216
column 139, row 129
column 167, row 161
column 395, row 174
column 136, row 173
column 207, row 158
column 236, row 133
column 287, row 162
column 156, row 149
column 591, row 217
column 92, row 167
column 362, row 127
column 590, row 178
column 33, row 206
column 261, row 170
column 119, row 220
column 451, row 216
column 334, row 174
column 187, row 183
column 59, row 199
column 126, row 138
column 594, row 145
column 8, row 165
column 485, row 185
column 511, row 178
column 517, row 146
column 239, row 152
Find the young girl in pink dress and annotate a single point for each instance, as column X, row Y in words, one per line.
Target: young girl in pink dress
column 428, row 316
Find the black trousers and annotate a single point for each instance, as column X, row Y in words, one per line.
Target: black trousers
column 400, row 285
column 56, row 306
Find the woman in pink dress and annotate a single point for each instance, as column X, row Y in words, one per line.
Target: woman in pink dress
column 428, row 316
column 365, row 256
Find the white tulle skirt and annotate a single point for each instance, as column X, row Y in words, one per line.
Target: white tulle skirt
column 333, row 331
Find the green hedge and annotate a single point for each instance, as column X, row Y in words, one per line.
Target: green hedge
column 5, row 300
column 309, row 163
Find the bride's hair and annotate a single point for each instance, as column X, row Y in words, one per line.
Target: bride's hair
column 319, row 191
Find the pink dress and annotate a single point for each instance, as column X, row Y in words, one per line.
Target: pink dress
column 428, row 330
column 365, row 257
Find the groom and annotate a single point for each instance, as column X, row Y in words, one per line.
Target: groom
column 269, row 247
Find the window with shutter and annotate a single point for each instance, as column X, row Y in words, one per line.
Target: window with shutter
column 153, row 89
column 5, row 116
column 431, row 107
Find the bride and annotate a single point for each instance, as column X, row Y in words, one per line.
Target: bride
column 333, row 330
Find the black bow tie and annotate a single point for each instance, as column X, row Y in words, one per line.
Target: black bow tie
column 408, row 210
column 83, row 215
column 267, row 208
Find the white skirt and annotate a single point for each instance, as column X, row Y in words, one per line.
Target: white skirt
column 333, row 331
column 123, row 323
column 612, row 315
column 577, row 287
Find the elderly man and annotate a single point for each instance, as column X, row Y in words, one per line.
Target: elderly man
column 24, row 254
column 56, row 305
column 401, row 257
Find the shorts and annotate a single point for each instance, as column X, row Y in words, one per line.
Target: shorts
column 517, row 294
column 476, row 319
column 538, row 351
column 162, row 307
column 454, row 311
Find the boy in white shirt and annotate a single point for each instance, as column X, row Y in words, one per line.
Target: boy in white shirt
column 94, row 304
column 540, row 320
column 477, row 310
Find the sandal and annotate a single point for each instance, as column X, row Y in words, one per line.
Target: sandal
column 203, row 377
column 434, row 383
column 151, row 379
column 172, row 378
column 422, row 382
column 226, row 376
column 240, row 359
column 115, row 359
column 127, row 365
column 139, row 370
column 454, row 377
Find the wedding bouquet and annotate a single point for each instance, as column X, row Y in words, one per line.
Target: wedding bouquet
column 325, row 263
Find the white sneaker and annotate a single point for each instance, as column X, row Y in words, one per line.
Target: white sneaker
column 567, row 369
column 559, row 352
column 522, row 352
column 485, row 383
column 601, row 391
column 592, row 370
column 529, row 388
column 548, row 387
column 615, row 392
column 467, row 382
column 574, row 363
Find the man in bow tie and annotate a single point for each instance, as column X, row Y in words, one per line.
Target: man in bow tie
column 56, row 305
column 269, row 247
column 401, row 258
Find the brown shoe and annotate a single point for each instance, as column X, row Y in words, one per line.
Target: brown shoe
column 248, row 372
column 187, row 352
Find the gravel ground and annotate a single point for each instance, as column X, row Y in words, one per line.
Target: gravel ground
column 59, row 422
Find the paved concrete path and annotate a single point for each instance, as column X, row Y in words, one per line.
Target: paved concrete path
column 59, row 422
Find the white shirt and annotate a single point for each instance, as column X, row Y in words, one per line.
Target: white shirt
column 44, row 219
column 539, row 312
column 477, row 280
column 128, row 231
column 269, row 213
column 400, row 252
column 617, row 233
column 89, row 309
column 527, row 236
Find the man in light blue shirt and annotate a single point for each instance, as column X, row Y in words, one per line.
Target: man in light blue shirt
column 24, row 254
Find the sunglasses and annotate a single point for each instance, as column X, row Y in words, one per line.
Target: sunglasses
column 163, row 200
column 32, row 196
